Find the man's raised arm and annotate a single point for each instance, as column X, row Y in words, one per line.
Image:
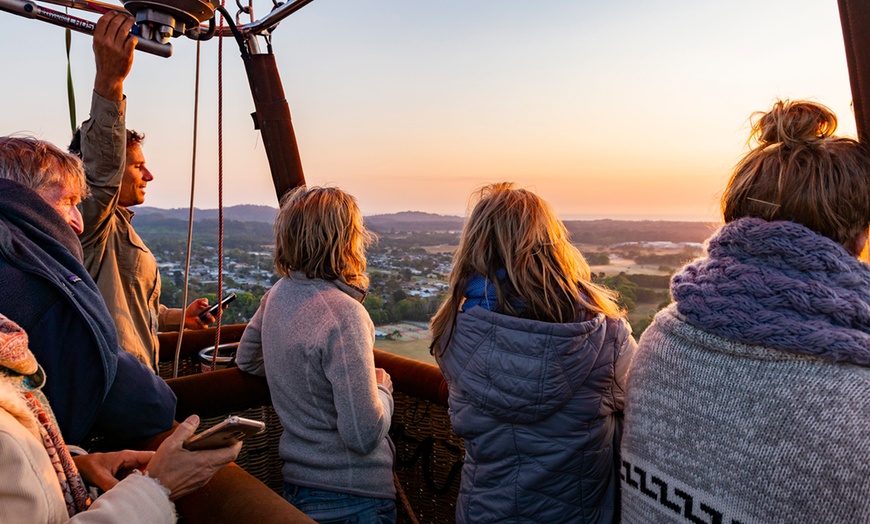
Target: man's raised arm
column 102, row 140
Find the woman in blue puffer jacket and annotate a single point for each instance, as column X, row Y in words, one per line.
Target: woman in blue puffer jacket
column 535, row 357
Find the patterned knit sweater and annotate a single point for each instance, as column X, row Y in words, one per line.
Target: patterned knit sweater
column 748, row 400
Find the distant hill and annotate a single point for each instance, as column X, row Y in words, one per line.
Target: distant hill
column 242, row 213
column 404, row 221
column 617, row 231
column 163, row 233
column 416, row 221
column 599, row 232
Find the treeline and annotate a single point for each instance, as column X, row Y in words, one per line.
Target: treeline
column 409, row 308
column 165, row 233
column 387, row 301
column 599, row 232
column 673, row 260
column 170, row 234
column 636, row 289
column 596, row 259
column 239, row 311
column 413, row 241
column 649, row 281
column 630, row 292
column 413, row 221
column 602, row 232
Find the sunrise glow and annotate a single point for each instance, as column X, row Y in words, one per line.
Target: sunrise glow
column 625, row 111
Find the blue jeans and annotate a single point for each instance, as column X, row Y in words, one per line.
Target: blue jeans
column 329, row 507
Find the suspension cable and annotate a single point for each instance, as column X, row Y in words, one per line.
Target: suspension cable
column 220, row 130
column 190, row 213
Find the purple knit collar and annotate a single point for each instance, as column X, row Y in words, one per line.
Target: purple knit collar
column 780, row 285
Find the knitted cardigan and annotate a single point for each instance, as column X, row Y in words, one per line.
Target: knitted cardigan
column 748, row 398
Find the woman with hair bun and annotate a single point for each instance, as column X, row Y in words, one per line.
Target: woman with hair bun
column 749, row 396
column 535, row 357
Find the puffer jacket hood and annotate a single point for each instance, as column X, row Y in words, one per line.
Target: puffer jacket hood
column 518, row 370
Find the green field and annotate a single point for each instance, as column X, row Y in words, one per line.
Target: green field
column 416, row 349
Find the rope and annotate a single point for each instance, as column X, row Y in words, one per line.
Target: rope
column 190, row 213
column 220, row 128
column 403, row 497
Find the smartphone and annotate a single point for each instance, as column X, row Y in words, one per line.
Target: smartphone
column 227, row 433
column 215, row 309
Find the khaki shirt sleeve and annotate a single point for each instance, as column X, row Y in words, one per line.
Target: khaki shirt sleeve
column 169, row 318
column 104, row 151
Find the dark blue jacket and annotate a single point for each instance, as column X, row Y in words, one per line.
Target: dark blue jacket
column 95, row 388
column 540, row 408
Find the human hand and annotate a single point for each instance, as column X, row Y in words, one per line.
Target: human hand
column 191, row 315
column 383, row 379
column 104, row 470
column 113, row 52
column 182, row 471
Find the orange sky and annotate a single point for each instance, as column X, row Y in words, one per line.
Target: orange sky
column 625, row 110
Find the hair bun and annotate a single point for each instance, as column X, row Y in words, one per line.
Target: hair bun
column 791, row 123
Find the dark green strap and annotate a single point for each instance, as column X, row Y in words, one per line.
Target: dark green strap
column 70, row 91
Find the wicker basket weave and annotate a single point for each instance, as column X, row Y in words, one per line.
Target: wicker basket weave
column 186, row 366
column 428, row 458
column 429, row 455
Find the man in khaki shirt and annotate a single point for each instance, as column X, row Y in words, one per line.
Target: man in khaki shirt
column 123, row 267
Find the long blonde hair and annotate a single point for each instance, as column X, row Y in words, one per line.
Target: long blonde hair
column 800, row 171
column 319, row 231
column 546, row 278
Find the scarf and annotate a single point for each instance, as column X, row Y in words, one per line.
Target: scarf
column 35, row 217
column 19, row 365
column 779, row 285
column 38, row 245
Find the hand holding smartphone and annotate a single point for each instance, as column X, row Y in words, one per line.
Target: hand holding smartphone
column 217, row 308
column 227, row 433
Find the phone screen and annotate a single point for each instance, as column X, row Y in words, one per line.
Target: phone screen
column 215, row 309
column 227, row 433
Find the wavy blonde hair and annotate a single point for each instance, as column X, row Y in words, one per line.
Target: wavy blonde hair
column 320, row 232
column 546, row 278
column 798, row 170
